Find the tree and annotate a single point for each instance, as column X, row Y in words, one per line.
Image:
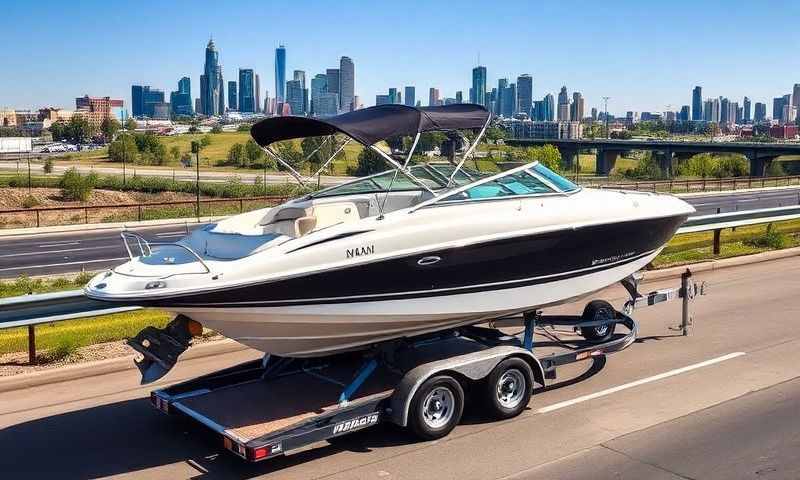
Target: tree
column 123, row 149
column 58, row 130
column 79, row 130
column 216, row 129
column 322, row 149
column 702, row 165
column 548, row 155
column 253, row 153
column 205, row 141
column 289, row 154
column 130, row 124
column 48, row 165
column 75, row 186
column 109, row 128
column 429, row 141
column 495, row 133
column 236, row 155
column 174, row 153
column 369, row 162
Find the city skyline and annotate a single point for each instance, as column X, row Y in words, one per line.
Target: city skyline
column 642, row 75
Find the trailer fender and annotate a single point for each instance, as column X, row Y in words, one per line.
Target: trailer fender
column 473, row 366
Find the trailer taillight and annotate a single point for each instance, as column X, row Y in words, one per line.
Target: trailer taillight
column 260, row 453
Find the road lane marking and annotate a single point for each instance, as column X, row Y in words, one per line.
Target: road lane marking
column 64, row 264
column 170, row 234
column 45, row 252
column 660, row 376
column 58, row 244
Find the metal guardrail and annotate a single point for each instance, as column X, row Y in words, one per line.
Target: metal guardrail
column 698, row 185
column 31, row 310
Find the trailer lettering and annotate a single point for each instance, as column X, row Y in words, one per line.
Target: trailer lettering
column 355, row 424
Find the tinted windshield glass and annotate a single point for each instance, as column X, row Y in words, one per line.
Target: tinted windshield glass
column 520, row 183
column 381, row 183
column 560, row 182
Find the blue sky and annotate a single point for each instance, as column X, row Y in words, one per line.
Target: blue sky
column 645, row 54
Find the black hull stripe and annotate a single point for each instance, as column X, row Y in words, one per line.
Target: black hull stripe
column 415, row 295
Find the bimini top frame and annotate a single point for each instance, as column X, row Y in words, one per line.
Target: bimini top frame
column 369, row 126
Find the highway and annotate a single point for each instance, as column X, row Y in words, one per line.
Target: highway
column 721, row 403
column 96, row 250
column 184, row 174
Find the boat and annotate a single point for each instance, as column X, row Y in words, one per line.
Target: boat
column 417, row 248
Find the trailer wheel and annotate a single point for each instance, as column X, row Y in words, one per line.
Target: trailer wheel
column 599, row 310
column 436, row 407
column 508, row 388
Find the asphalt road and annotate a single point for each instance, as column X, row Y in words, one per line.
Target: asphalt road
column 66, row 253
column 184, row 174
column 721, row 403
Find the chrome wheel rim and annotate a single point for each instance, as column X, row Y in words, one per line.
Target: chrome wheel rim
column 437, row 409
column 511, row 388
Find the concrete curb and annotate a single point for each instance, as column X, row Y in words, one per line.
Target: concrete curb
column 103, row 367
column 119, row 364
column 84, row 227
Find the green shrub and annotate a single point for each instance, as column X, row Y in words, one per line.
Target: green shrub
column 64, row 349
column 75, row 186
column 30, row 202
column 770, row 239
column 48, row 165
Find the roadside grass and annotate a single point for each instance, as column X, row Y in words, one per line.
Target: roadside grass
column 25, row 285
column 184, row 211
column 62, row 339
column 697, row 247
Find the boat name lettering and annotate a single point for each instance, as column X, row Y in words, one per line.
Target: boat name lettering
column 360, row 251
column 615, row 258
column 356, row 423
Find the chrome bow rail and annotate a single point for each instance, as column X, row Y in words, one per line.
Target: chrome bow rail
column 145, row 248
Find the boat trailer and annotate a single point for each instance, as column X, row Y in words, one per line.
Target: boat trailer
column 278, row 406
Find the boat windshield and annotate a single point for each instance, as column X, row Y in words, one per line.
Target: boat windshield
column 383, row 181
column 560, row 182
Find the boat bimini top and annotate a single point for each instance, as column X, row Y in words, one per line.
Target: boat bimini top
column 369, row 126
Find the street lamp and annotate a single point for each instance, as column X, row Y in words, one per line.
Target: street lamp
column 605, row 107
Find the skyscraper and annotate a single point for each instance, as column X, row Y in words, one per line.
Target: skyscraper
column 393, row 98
column 319, row 86
column 247, row 88
column 294, row 96
column 280, row 73
column 577, row 108
column 181, row 100
column 300, row 76
column 334, row 75
column 347, row 83
column 410, row 96
column 711, row 110
column 697, row 103
column 433, row 97
column 233, row 100
column 684, row 115
column 759, row 112
column 524, row 94
column 777, row 107
column 796, row 96
column 724, row 110
column 477, row 93
column 258, row 94
column 746, row 116
column 143, row 100
column 459, row 97
column 211, row 88
column 563, row 105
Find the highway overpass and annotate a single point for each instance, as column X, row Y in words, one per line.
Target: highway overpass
column 758, row 154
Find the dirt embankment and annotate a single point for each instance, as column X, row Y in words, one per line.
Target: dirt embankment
column 14, row 198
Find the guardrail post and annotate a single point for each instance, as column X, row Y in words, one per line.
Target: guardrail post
column 32, row 344
column 717, row 240
column 37, row 218
column 241, row 205
column 85, row 215
column 140, row 212
column 686, row 318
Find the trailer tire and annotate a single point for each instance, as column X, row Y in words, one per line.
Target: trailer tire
column 436, row 407
column 598, row 310
column 508, row 388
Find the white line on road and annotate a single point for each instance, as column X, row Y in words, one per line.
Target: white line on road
column 170, row 234
column 63, row 264
column 58, row 244
column 45, row 252
column 661, row 376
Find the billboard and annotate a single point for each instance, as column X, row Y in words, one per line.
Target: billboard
column 15, row 144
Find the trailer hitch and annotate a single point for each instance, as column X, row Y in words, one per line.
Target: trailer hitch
column 161, row 347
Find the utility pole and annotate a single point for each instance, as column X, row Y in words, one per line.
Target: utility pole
column 605, row 107
column 196, row 151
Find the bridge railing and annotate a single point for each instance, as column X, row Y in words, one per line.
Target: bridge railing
column 696, row 185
